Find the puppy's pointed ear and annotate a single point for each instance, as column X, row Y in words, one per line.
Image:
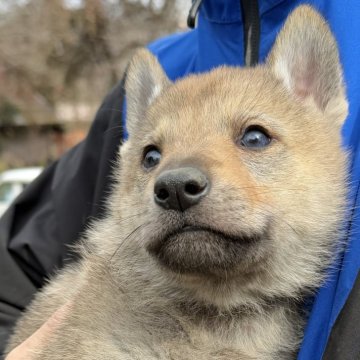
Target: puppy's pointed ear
column 305, row 58
column 145, row 80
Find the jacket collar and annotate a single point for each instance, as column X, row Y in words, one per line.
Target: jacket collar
column 229, row 11
column 221, row 31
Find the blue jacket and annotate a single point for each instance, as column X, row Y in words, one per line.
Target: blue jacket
column 219, row 39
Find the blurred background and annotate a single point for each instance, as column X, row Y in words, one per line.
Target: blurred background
column 58, row 59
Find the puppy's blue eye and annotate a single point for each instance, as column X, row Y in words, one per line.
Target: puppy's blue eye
column 152, row 157
column 255, row 137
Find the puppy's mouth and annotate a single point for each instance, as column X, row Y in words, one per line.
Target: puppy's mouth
column 204, row 250
column 222, row 235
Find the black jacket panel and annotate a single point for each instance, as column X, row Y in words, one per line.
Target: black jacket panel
column 344, row 343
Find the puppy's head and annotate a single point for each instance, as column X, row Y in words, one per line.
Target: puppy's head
column 234, row 180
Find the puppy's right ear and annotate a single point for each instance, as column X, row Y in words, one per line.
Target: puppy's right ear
column 305, row 59
column 145, row 80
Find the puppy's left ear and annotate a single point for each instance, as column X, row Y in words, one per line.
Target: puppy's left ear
column 306, row 59
column 145, row 80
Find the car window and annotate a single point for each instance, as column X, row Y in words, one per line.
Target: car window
column 6, row 192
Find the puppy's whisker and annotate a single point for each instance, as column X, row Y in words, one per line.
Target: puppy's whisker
column 123, row 220
column 128, row 237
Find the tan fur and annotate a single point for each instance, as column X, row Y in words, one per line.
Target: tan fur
column 125, row 303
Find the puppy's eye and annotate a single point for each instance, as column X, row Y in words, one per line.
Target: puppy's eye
column 254, row 137
column 151, row 157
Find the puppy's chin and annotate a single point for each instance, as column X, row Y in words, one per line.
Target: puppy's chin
column 205, row 252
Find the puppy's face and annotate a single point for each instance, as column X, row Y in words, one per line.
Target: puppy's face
column 237, row 176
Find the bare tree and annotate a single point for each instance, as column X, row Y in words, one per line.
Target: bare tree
column 51, row 53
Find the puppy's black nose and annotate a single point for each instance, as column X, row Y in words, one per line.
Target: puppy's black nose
column 179, row 189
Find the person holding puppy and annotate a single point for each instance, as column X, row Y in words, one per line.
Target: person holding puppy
column 35, row 231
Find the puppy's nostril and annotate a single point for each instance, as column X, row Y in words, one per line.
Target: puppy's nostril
column 193, row 188
column 162, row 194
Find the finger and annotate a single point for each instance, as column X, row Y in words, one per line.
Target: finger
column 39, row 337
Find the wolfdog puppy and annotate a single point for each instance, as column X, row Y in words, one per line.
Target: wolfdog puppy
column 227, row 210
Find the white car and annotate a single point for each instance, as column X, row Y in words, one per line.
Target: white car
column 13, row 182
